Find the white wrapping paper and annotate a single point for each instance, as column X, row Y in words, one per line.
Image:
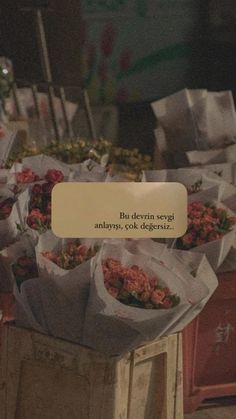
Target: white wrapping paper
column 64, row 292
column 222, row 155
column 197, row 119
column 8, row 226
column 88, row 171
column 115, row 328
column 7, row 139
column 41, row 163
column 24, row 245
column 28, row 307
column 216, row 251
column 188, row 177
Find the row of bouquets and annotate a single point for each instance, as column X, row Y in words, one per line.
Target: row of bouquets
column 112, row 295
column 25, row 200
column 199, row 126
column 209, row 184
column 122, row 294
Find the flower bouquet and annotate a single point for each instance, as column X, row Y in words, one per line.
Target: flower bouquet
column 210, row 231
column 126, row 164
column 26, row 176
column 13, row 207
column 39, row 215
column 219, row 155
column 20, row 273
column 79, row 151
column 7, row 139
column 88, row 171
column 64, row 279
column 194, row 179
column 179, row 261
column 135, row 287
column 135, row 298
column 69, row 153
column 40, row 164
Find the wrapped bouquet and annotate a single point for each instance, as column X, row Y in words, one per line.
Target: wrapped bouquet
column 64, row 278
column 135, row 298
column 210, row 231
column 13, row 208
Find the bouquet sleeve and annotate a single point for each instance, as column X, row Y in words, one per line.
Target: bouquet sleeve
column 113, row 327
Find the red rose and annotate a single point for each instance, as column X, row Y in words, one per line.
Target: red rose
column 35, row 218
column 54, row 176
column 26, row 176
column 82, row 249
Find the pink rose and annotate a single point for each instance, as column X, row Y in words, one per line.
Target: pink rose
column 157, row 296
column 48, row 255
column 132, row 285
column 82, row 249
column 26, row 176
column 54, row 176
column 187, row 238
column 167, row 303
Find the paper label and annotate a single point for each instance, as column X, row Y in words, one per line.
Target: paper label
column 119, row 210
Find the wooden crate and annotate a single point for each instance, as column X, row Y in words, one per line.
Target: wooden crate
column 46, row 378
column 209, row 362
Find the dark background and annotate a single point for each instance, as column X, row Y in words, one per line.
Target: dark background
column 213, row 61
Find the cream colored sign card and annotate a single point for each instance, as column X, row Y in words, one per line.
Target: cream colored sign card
column 119, row 209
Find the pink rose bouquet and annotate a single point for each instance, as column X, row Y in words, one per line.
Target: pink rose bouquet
column 26, row 176
column 39, row 217
column 206, row 223
column 72, row 255
column 135, row 287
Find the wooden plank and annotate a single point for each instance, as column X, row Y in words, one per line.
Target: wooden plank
column 172, row 361
column 49, row 392
column 47, row 377
column 178, row 393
